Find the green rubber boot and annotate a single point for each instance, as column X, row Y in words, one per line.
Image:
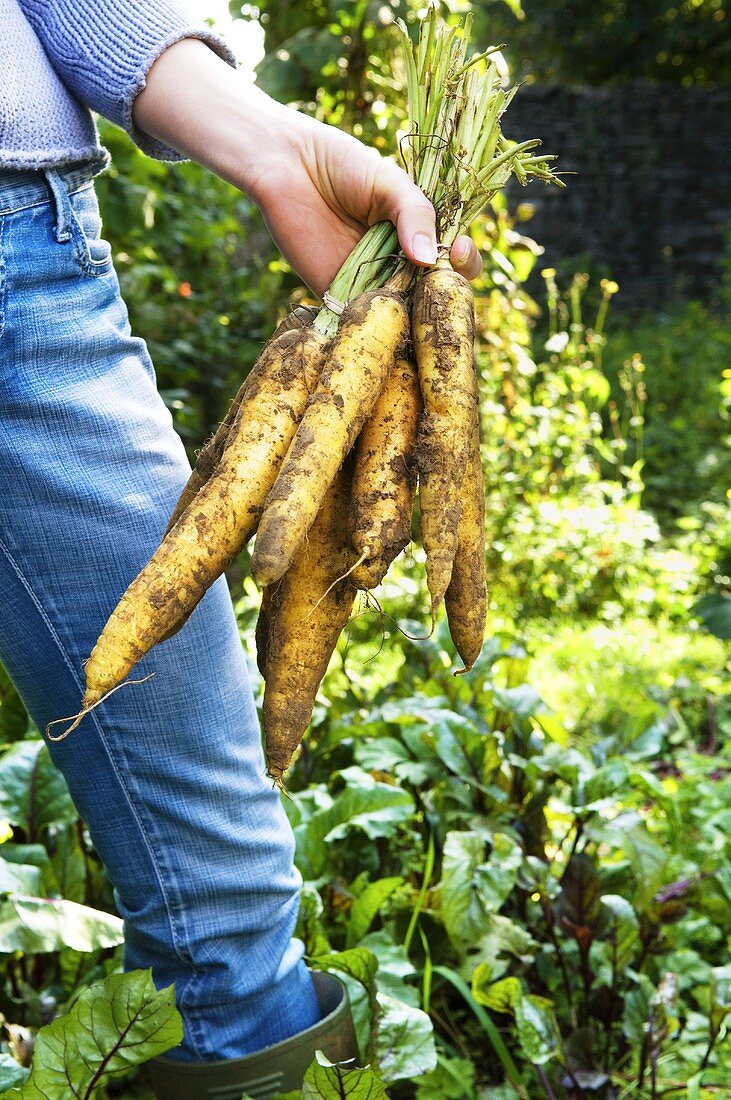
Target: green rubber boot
column 279, row 1068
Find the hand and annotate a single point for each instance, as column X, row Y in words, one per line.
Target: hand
column 320, row 196
column 318, row 188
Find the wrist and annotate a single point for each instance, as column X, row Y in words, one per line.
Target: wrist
column 206, row 110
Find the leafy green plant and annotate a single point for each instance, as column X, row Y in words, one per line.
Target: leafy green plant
column 686, row 354
column 568, row 953
column 681, row 41
column 523, row 901
column 112, row 1027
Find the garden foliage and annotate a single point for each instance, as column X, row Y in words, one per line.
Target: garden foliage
column 611, row 41
column 522, row 874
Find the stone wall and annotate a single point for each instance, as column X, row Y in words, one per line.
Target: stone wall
column 651, row 199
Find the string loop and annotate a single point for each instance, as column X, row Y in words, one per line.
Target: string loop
column 333, row 304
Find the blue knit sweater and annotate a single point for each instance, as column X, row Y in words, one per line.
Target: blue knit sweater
column 61, row 59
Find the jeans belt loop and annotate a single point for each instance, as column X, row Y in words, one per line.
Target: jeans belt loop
column 61, row 204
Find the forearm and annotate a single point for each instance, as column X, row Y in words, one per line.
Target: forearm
column 196, row 103
column 318, row 188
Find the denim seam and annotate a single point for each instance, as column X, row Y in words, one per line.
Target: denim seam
column 3, row 278
column 162, row 880
column 195, row 1028
column 82, row 248
column 43, row 201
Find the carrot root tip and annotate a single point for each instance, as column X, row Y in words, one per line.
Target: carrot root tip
column 86, row 708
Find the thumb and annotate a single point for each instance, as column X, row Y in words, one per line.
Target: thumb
column 399, row 200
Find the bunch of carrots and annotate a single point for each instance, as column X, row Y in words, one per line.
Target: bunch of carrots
column 346, row 410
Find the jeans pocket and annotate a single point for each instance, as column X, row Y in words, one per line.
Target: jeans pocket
column 93, row 253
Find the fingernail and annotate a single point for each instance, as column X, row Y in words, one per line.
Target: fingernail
column 461, row 251
column 424, row 248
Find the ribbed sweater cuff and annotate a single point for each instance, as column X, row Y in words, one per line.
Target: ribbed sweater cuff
column 103, row 51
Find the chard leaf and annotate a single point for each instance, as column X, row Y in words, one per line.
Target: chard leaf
column 13, row 715
column 38, row 925
column 326, row 1081
column 522, row 701
column 357, row 967
column 502, row 938
column 394, row 967
column 405, row 1040
column 463, row 910
column 580, row 898
column 69, row 863
column 623, row 929
column 367, row 905
column 11, row 1072
column 500, row 996
column 113, row 1026
column 357, row 963
column 497, row 877
column 376, row 809
column 538, row 1032
column 33, row 793
column 384, row 754
column 636, row 1014
column 19, row 878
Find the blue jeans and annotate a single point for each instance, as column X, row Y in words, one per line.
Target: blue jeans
column 169, row 774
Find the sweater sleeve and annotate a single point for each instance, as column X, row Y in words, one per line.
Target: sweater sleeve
column 103, row 51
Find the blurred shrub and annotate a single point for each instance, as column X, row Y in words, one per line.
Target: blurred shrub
column 687, row 353
column 682, row 41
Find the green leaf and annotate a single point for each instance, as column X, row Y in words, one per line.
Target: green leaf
column 497, row 877
column 69, row 863
column 649, row 860
column 471, row 887
column 19, row 878
column 113, row 1026
column 522, row 701
column 636, row 1014
column 693, row 1087
column 453, row 1079
column 37, row 925
column 552, row 727
column 404, row 1041
column 383, row 754
column 376, row 809
column 357, row 963
column 455, row 741
column 714, row 611
column 327, row 1081
column 394, row 967
column 11, row 1072
column 13, row 715
column 33, row 793
column 503, row 937
column 462, row 907
column 309, row 922
column 358, row 967
column 538, row 1032
column 500, row 996
column 367, row 905
column 622, row 929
